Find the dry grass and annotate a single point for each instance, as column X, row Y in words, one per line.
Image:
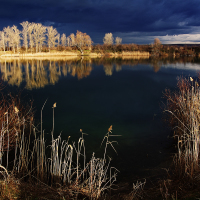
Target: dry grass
column 40, row 54
column 35, row 164
column 183, row 108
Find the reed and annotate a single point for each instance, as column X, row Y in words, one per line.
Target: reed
column 53, row 164
column 184, row 109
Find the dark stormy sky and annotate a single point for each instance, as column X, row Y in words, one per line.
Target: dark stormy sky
column 135, row 21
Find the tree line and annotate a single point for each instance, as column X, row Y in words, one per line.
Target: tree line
column 34, row 36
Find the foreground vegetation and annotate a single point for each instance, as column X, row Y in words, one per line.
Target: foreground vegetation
column 33, row 169
column 25, row 159
column 183, row 110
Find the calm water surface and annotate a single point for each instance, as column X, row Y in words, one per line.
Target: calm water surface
column 94, row 94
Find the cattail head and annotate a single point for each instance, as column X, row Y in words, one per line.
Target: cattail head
column 16, row 109
column 110, row 129
column 54, row 105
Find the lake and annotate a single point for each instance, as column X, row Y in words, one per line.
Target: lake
column 92, row 94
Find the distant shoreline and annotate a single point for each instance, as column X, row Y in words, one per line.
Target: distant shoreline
column 69, row 54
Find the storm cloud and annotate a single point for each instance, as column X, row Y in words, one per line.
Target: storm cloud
column 137, row 21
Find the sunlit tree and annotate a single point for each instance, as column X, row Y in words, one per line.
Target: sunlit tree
column 30, row 35
column 12, row 37
column 7, row 37
column 68, row 41
column 63, row 40
column 15, row 34
column 58, row 39
column 118, row 40
column 2, row 40
column 25, row 31
column 72, row 39
column 39, row 32
column 87, row 41
column 80, row 40
column 108, row 39
column 52, row 36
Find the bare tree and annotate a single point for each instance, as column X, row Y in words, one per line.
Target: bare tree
column 118, row 40
column 15, row 34
column 79, row 39
column 72, row 39
column 6, row 31
column 63, row 40
column 12, row 35
column 58, row 39
column 25, row 32
column 52, row 35
column 2, row 40
column 108, row 39
column 39, row 32
column 68, row 41
column 31, row 36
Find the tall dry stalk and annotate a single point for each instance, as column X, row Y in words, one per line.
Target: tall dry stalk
column 31, row 159
column 184, row 109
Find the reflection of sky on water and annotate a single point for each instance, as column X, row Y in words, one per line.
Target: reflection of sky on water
column 182, row 66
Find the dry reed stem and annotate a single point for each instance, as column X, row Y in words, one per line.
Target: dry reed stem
column 31, row 159
column 184, row 107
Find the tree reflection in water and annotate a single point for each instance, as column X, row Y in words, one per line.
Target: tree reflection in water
column 37, row 73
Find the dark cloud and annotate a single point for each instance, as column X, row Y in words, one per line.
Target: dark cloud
column 97, row 17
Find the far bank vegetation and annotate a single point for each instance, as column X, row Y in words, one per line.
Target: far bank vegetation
column 35, row 38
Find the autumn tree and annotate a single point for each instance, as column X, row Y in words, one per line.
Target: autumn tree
column 118, row 40
column 156, row 47
column 157, row 41
column 87, row 41
column 80, row 40
column 52, row 36
column 83, row 40
column 108, row 39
